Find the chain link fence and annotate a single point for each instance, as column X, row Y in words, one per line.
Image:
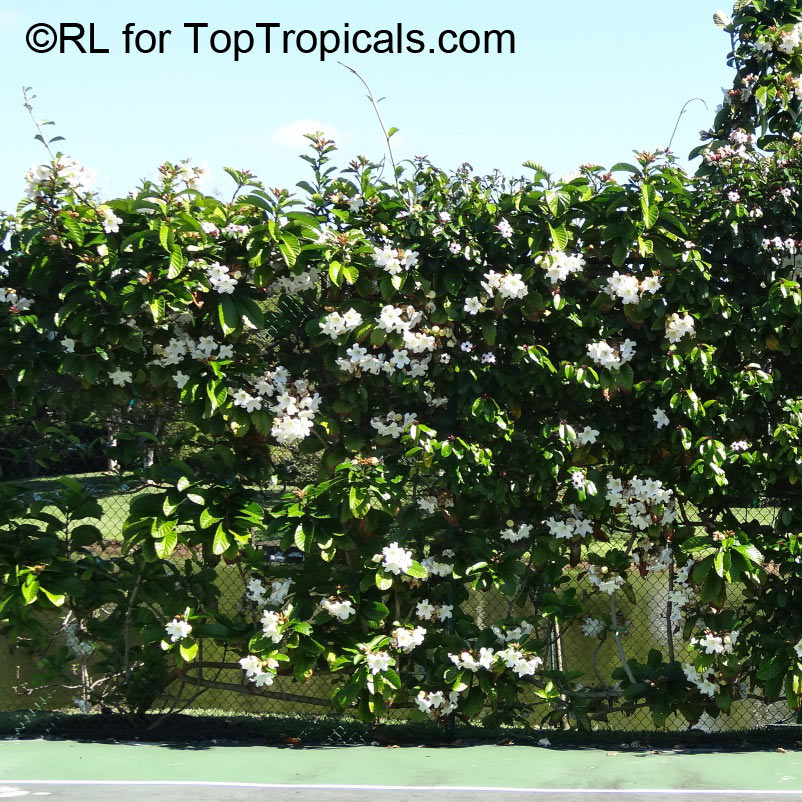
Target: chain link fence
column 215, row 687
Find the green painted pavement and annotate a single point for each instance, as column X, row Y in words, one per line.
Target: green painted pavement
column 503, row 766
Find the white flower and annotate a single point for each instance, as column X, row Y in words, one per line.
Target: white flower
column 798, row 649
column 559, row 265
column 588, row 436
column 110, row 221
column 677, row 326
column 68, row 344
column 251, row 665
column 602, row 353
column 407, row 639
column 250, row 403
column 504, row 228
column 593, row 627
column 425, row 609
column 180, row 379
column 178, row 629
column 472, row 306
column 341, row 610
column 427, row 504
column 378, row 661
column 394, row 260
column 271, row 625
column 395, row 559
column 514, row 535
column 660, row 418
column 120, row 377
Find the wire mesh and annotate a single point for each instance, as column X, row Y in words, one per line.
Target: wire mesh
column 218, row 689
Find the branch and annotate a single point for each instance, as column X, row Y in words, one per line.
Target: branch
column 284, row 697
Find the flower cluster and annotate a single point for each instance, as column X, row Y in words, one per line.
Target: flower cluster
column 629, row 289
column 394, row 260
column 574, row 526
column 61, row 171
column 645, row 501
column 520, row 664
column 338, row 608
column 427, row 611
column 273, row 625
column 296, row 283
column 512, row 634
column 437, row 702
column 393, row 424
column 602, row 579
column 702, row 680
column 559, row 265
column 378, row 661
column 396, row 560
column 261, row 672
column 294, row 409
column 612, row 357
column 335, row 325
column 507, row 285
column 593, row 628
column 405, row 639
column 279, row 589
column 677, row 326
column 15, row 301
column 222, row 278
column 437, row 568
column 717, row 644
column 514, row 535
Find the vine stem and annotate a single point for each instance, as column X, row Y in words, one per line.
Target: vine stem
column 375, row 104
column 679, row 117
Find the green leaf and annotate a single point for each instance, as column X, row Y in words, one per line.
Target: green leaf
column 559, row 237
column 358, row 501
column 221, row 541
column 304, row 534
column 290, row 247
column 384, row 581
column 217, row 394
column 188, row 650
column 417, row 571
column 165, row 546
column 648, row 203
column 227, row 314
column 251, row 311
column 30, row 589
column 176, row 262
column 207, row 520
column 57, row 599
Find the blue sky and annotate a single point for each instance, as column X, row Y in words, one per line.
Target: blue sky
column 590, row 81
